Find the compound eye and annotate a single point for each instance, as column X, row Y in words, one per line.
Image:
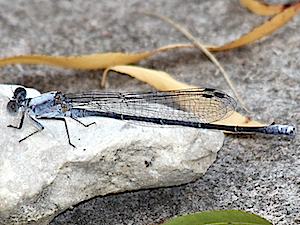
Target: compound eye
column 20, row 94
column 12, row 107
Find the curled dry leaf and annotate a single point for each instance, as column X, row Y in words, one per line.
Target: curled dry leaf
column 87, row 62
column 104, row 60
column 204, row 50
column 267, row 27
column 160, row 80
column 164, row 82
column 263, row 9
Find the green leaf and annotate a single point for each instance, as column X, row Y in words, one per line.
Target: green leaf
column 218, row 217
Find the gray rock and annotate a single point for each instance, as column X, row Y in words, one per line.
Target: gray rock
column 43, row 175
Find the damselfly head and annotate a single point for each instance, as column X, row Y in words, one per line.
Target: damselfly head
column 13, row 107
column 19, row 94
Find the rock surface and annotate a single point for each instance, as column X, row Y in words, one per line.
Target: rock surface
column 43, row 175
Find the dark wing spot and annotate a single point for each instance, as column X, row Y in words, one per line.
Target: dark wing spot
column 220, row 95
column 207, row 96
column 209, row 89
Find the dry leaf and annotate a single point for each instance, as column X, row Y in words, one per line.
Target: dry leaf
column 87, row 62
column 164, row 82
column 267, row 27
column 204, row 50
column 262, row 8
column 104, row 60
column 158, row 79
column 237, row 119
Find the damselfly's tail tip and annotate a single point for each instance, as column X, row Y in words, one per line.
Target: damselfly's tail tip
column 291, row 130
column 281, row 129
column 286, row 129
